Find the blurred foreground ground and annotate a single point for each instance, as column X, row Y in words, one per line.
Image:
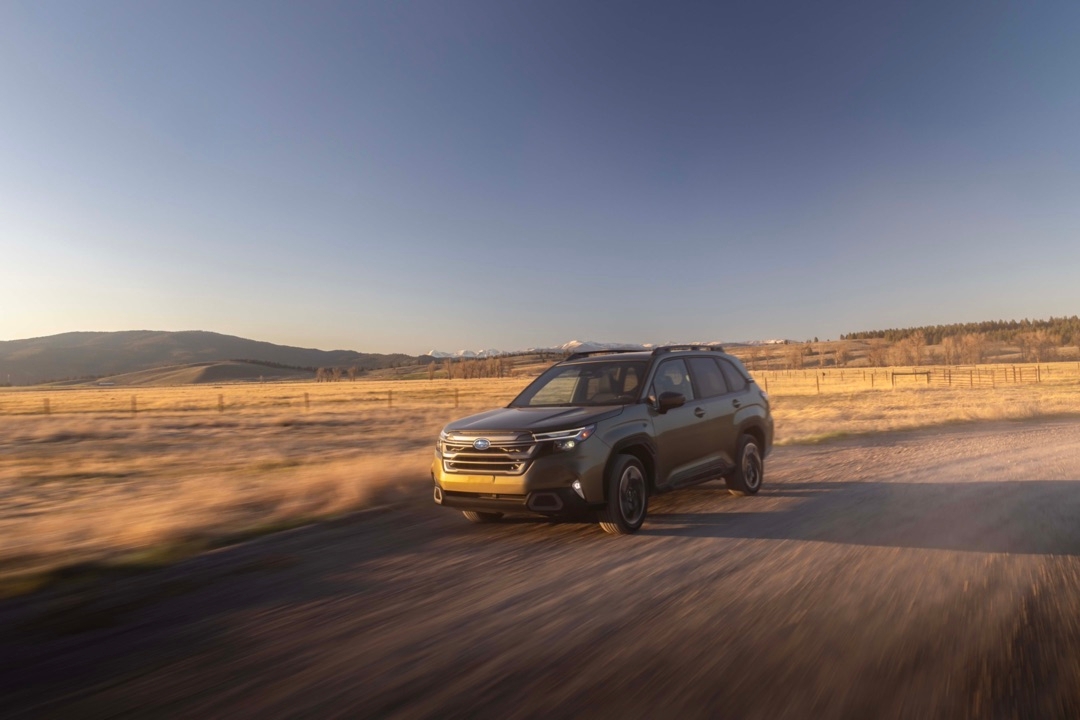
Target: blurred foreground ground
column 924, row 574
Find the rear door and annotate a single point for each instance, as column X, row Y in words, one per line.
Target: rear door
column 718, row 416
column 740, row 395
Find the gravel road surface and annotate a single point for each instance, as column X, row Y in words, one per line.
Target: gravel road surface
column 916, row 575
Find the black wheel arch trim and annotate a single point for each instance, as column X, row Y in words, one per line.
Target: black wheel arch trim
column 756, row 427
column 647, row 445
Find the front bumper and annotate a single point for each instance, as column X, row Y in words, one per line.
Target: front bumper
column 560, row 501
column 547, row 475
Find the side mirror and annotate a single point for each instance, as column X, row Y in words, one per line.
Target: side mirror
column 669, row 401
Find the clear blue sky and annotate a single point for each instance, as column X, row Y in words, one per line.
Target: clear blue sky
column 403, row 176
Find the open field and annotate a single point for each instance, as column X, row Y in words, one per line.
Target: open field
column 197, row 465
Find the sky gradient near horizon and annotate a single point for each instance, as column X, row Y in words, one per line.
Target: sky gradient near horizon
column 397, row 177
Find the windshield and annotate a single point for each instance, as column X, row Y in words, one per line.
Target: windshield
column 593, row 383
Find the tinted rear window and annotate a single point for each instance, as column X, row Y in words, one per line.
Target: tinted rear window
column 735, row 379
column 707, row 377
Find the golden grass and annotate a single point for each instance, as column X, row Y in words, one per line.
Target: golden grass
column 92, row 481
column 83, row 486
column 811, row 406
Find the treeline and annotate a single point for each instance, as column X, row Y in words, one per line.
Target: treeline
column 333, row 374
column 1066, row 331
column 468, row 369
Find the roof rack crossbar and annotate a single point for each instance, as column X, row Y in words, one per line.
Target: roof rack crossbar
column 609, row 351
column 676, row 348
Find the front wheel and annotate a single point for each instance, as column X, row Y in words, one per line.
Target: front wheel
column 749, row 471
column 627, row 497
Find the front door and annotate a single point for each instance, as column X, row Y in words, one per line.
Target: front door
column 681, row 438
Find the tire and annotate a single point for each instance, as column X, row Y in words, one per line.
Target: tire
column 627, row 497
column 481, row 517
column 749, row 471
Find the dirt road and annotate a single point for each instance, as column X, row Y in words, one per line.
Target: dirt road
column 917, row 575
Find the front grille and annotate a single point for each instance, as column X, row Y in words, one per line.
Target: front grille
column 506, row 456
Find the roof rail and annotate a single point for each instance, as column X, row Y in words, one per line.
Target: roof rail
column 676, row 348
column 609, row 351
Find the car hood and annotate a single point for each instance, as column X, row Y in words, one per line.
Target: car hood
column 533, row 419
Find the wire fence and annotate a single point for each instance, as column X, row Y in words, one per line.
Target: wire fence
column 807, row 382
column 307, row 397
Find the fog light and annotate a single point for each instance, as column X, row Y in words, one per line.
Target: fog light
column 577, row 488
column 565, row 445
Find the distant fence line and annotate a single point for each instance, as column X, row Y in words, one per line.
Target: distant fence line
column 778, row 382
column 959, row 376
column 55, row 405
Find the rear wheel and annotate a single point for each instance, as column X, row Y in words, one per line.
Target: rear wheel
column 481, row 517
column 627, row 497
column 749, row 470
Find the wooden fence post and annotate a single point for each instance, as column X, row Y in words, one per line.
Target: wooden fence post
column 817, row 382
column 455, row 397
column 307, row 402
column 971, row 378
column 766, row 379
column 221, row 403
column 47, row 406
column 389, row 398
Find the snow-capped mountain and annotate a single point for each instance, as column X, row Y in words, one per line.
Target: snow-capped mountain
column 588, row 346
column 490, row 352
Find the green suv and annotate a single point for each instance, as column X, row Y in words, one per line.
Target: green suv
column 601, row 431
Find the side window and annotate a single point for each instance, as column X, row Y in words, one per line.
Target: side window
column 671, row 376
column 707, row 377
column 736, row 380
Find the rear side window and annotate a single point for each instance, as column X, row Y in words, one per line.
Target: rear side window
column 707, row 377
column 735, row 379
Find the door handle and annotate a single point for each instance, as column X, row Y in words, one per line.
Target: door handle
column 700, row 412
column 736, row 403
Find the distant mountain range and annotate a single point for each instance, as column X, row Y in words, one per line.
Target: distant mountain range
column 102, row 354
column 89, row 355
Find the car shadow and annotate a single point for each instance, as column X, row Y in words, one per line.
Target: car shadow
column 1026, row 517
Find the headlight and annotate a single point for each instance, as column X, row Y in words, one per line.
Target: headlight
column 567, row 439
column 442, row 438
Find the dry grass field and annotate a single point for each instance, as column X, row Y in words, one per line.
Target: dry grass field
column 85, row 480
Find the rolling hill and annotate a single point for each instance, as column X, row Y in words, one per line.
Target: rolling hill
column 105, row 354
